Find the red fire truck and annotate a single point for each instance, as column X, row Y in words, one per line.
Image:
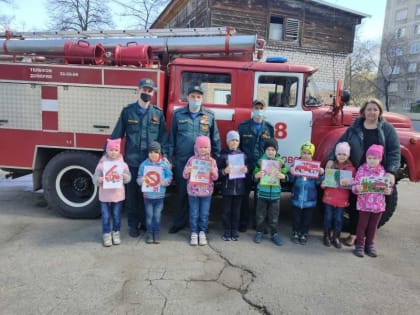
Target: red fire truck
column 62, row 92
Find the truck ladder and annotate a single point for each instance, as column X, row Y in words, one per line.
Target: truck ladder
column 167, row 32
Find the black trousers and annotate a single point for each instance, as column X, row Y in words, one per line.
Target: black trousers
column 231, row 211
column 302, row 219
column 134, row 202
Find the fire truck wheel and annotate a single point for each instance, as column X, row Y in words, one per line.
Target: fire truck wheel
column 68, row 186
column 391, row 206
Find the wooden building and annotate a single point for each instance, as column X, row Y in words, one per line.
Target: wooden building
column 311, row 32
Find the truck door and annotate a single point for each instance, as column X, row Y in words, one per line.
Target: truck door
column 282, row 92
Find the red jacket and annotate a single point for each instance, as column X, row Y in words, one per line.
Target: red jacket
column 338, row 197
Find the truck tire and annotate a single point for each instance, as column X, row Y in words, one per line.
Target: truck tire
column 391, row 206
column 68, row 186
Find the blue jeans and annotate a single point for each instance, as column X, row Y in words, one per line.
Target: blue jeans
column 199, row 213
column 153, row 209
column 111, row 210
column 333, row 218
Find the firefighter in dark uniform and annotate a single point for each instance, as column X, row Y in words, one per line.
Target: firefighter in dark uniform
column 189, row 122
column 253, row 133
column 140, row 123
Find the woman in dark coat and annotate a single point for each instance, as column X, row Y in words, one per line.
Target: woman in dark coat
column 370, row 128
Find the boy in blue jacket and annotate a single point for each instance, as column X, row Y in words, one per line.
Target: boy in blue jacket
column 304, row 196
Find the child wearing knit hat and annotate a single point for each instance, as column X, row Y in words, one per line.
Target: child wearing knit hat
column 304, row 195
column 232, row 171
column 371, row 204
column 200, row 172
column 110, row 175
column 154, row 176
column 269, row 171
column 336, row 199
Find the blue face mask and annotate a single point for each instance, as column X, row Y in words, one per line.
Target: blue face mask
column 194, row 104
column 258, row 113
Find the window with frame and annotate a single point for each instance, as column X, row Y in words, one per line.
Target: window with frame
column 398, row 51
column 393, row 87
column 401, row 15
column 418, row 10
column 417, row 29
column 278, row 91
column 400, row 32
column 395, row 70
column 415, row 48
column 217, row 87
column 410, row 85
column 412, row 67
column 283, row 29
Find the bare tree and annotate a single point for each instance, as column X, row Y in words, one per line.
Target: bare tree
column 143, row 12
column 372, row 68
column 361, row 70
column 393, row 63
column 79, row 15
column 6, row 20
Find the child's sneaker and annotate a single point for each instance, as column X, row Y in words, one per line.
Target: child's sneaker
column 194, row 239
column 258, row 237
column 107, row 239
column 202, row 238
column 295, row 237
column 116, row 238
column 358, row 251
column 276, row 239
column 149, row 238
column 156, row 237
column 371, row 251
column 303, row 239
column 235, row 236
column 226, row 236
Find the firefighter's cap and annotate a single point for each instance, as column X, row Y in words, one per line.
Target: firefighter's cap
column 255, row 102
column 308, row 146
column 195, row 88
column 147, row 83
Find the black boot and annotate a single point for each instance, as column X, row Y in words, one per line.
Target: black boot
column 327, row 240
column 336, row 239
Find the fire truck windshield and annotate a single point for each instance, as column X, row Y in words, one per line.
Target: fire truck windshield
column 312, row 95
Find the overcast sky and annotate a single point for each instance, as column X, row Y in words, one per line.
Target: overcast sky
column 31, row 15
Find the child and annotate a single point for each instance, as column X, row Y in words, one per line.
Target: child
column 304, row 196
column 233, row 190
column 200, row 188
column 336, row 199
column 370, row 205
column 111, row 199
column 268, row 195
column 154, row 198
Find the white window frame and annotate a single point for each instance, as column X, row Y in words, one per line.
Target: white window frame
column 412, row 67
column 393, row 87
column 400, row 32
column 415, row 48
column 401, row 14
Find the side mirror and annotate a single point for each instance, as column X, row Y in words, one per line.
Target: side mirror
column 345, row 97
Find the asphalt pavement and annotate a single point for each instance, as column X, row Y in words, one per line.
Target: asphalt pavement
column 53, row 265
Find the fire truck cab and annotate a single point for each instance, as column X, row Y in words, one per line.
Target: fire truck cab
column 61, row 97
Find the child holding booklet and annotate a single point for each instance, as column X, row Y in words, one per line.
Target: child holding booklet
column 268, row 172
column 304, row 195
column 233, row 187
column 370, row 205
column 336, row 199
column 154, row 176
column 110, row 175
column 200, row 173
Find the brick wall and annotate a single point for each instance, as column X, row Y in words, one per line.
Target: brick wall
column 331, row 67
